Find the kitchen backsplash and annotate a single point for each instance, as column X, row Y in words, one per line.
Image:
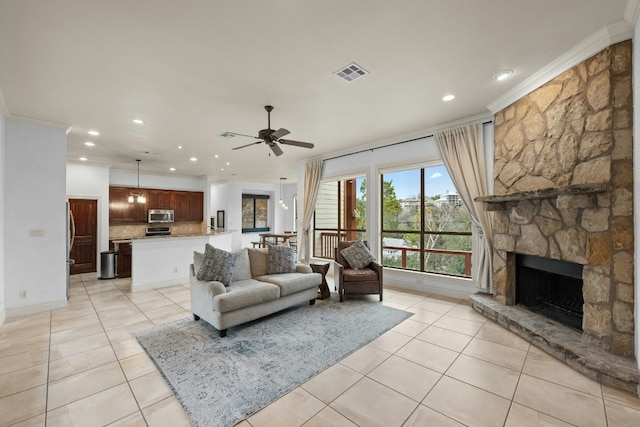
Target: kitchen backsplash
column 138, row 230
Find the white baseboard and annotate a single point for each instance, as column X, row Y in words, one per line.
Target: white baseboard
column 156, row 285
column 430, row 283
column 3, row 315
column 36, row 308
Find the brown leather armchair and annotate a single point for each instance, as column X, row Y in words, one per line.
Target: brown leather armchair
column 363, row 281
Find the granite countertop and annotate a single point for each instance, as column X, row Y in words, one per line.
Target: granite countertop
column 208, row 233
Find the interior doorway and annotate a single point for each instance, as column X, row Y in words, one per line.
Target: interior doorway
column 85, row 214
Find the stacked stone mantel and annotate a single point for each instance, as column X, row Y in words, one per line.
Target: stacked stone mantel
column 563, row 189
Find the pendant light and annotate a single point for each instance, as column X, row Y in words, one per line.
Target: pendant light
column 138, row 197
column 282, row 193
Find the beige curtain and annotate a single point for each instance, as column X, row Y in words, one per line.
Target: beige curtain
column 462, row 151
column 312, row 175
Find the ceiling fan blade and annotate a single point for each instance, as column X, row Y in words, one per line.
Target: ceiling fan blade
column 296, row 143
column 242, row 134
column 242, row 146
column 280, row 133
column 277, row 150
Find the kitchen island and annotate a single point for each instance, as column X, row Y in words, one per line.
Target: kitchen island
column 160, row 261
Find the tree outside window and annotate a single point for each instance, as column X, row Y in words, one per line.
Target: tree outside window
column 255, row 213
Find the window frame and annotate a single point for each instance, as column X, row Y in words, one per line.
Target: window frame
column 255, row 197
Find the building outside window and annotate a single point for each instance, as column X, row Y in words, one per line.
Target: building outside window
column 255, row 213
column 340, row 214
column 425, row 225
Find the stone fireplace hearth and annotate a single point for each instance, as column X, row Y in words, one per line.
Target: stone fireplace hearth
column 563, row 190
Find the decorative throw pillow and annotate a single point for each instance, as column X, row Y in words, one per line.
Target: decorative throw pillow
column 217, row 265
column 358, row 255
column 282, row 259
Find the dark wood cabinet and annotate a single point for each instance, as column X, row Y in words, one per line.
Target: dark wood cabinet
column 188, row 205
column 123, row 260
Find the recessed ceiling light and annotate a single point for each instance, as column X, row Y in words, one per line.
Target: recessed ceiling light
column 504, row 74
column 172, row 169
column 221, row 169
column 179, row 147
column 194, row 159
column 89, row 144
column 93, row 132
column 447, row 98
column 137, row 121
column 83, row 159
column 228, row 163
column 215, row 156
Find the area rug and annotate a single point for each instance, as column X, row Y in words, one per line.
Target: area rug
column 221, row 381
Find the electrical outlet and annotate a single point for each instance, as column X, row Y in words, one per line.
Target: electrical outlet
column 23, row 294
column 36, row 233
column 175, row 269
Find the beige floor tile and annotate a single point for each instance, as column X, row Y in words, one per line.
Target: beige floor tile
column 137, row 366
column 17, row 381
column 622, row 397
column 501, row 355
column 520, row 416
column 167, row 413
column 133, row 420
column 154, row 303
column 37, row 421
column 390, row 341
column 332, row 382
column 369, row 403
column 101, row 408
column 10, row 348
column 428, row 355
column 118, row 313
column 553, row 399
column 410, row 327
column 467, row 404
column 8, row 334
column 396, row 305
column 365, row 359
column 403, row 376
column 426, row 417
column 465, row 311
column 75, row 322
column 499, row 335
column 463, row 326
column 126, row 332
column 79, row 386
column 127, row 348
column 292, row 409
column 23, row 406
column 123, row 321
column 75, row 333
column 72, row 312
column 78, row 345
column 548, row 368
column 71, row 365
column 405, row 299
column 445, row 338
column 168, row 318
column 620, row 415
column 149, row 389
column 328, row 417
column 26, row 322
column 485, row 375
column 20, row 361
column 440, row 307
column 424, row 316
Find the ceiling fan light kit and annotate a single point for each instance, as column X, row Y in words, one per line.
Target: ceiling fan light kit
column 271, row 137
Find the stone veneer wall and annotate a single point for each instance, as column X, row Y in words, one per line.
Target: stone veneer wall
column 573, row 132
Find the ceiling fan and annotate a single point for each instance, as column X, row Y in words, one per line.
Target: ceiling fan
column 271, row 137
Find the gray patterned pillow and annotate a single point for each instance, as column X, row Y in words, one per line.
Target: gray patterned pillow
column 358, row 255
column 282, row 259
column 217, row 265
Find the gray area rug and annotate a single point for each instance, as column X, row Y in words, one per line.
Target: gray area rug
column 221, row 381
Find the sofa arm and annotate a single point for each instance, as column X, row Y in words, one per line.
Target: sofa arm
column 303, row 268
column 213, row 288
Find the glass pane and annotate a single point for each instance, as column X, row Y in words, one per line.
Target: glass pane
column 401, row 250
column 448, row 254
column 444, row 210
column 401, row 200
column 361, row 203
column 247, row 212
column 262, row 210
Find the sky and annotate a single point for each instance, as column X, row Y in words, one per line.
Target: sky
column 407, row 183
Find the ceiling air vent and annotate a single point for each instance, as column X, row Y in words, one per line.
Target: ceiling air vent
column 351, row 72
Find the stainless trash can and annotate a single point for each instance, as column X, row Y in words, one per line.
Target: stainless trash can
column 107, row 265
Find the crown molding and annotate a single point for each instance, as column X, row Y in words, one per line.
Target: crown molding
column 601, row 39
column 29, row 120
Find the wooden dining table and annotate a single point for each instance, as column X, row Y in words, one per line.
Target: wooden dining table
column 274, row 238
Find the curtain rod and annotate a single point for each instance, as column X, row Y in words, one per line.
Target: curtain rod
column 390, row 145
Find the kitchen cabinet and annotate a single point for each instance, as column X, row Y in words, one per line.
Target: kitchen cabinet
column 161, row 199
column 120, row 210
column 187, row 205
column 123, row 257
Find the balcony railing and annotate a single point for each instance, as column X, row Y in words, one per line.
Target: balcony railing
column 404, row 250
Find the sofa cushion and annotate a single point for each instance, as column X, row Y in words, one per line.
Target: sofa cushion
column 245, row 293
column 259, row 258
column 282, row 259
column 358, row 255
column 291, row 283
column 242, row 270
column 217, row 265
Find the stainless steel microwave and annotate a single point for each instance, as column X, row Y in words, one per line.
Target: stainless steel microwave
column 160, row 215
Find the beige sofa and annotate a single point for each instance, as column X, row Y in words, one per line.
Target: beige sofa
column 252, row 293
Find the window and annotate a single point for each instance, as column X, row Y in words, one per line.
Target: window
column 425, row 225
column 340, row 214
column 255, row 213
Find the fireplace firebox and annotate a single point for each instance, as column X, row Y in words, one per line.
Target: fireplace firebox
column 551, row 288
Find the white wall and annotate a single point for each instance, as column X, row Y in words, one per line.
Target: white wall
column 35, row 217
column 2, row 205
column 636, row 182
column 161, row 182
column 92, row 182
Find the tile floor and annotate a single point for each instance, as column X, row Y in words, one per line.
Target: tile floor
column 444, row 366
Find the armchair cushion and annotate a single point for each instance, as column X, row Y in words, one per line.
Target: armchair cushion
column 217, row 265
column 357, row 255
column 360, row 275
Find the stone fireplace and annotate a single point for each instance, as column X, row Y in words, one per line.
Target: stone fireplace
column 563, row 190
